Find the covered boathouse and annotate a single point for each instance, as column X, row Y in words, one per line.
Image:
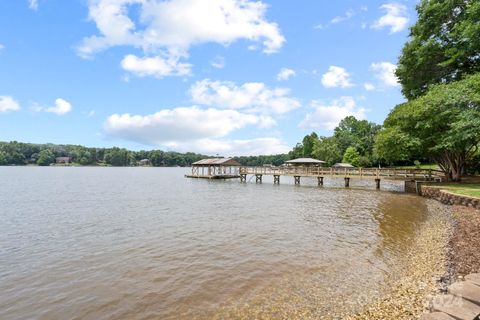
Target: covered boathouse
column 305, row 162
column 215, row 168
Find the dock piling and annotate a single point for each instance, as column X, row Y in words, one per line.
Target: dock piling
column 297, row 180
column 320, row 181
column 258, row 178
column 377, row 182
column 276, row 179
column 347, row 182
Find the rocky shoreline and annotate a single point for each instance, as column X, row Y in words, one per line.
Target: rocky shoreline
column 447, row 249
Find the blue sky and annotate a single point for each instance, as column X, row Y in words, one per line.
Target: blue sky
column 233, row 77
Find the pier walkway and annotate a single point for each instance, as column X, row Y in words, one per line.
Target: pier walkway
column 347, row 173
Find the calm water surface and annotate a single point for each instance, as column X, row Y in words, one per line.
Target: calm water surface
column 147, row 243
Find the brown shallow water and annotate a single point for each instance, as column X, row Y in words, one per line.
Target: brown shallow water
column 146, row 243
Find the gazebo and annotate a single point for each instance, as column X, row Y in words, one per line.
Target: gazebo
column 305, row 162
column 215, row 168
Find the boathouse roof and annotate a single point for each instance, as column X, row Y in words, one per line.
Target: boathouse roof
column 305, row 161
column 216, row 162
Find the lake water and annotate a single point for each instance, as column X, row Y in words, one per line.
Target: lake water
column 147, row 243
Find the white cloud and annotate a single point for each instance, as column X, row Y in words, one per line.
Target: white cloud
column 61, row 107
column 218, row 62
column 347, row 16
column 172, row 27
column 225, row 147
column 7, row 104
column 385, row 71
column 328, row 116
column 369, row 86
column 177, row 125
column 336, row 77
column 155, row 66
column 285, row 74
column 33, row 4
column 395, row 18
column 252, row 96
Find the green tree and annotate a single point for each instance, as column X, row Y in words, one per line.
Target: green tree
column 444, row 45
column 3, row 158
column 116, row 157
column 352, row 156
column 360, row 134
column 326, row 149
column 443, row 124
column 45, row 157
column 308, row 143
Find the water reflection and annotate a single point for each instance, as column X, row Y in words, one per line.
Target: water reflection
column 137, row 243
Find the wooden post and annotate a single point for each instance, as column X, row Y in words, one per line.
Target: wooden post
column 297, row 180
column 258, row 178
column 320, row 181
column 347, row 182
column 276, row 179
column 377, row 181
column 243, row 177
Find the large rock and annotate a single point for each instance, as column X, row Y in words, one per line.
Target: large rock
column 467, row 290
column 456, row 307
column 474, row 278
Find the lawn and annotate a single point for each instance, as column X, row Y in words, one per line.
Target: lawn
column 471, row 190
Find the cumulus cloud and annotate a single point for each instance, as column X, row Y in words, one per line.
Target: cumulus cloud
column 395, row 18
column 61, row 107
column 7, row 104
column 172, row 27
column 328, row 116
column 251, row 96
column 285, row 74
column 385, row 71
column 33, row 4
column 369, row 87
column 225, row 147
column 347, row 16
column 177, row 125
column 158, row 66
column 336, row 77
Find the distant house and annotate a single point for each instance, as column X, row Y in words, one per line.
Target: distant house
column 63, row 160
column 144, row 162
column 307, row 162
column 342, row 165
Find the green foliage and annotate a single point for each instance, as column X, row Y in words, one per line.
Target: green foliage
column 275, row 160
column 45, row 158
column 352, row 156
column 327, row 149
column 443, row 124
column 359, row 134
column 16, row 153
column 443, row 47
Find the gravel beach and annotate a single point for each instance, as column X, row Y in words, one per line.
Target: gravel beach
column 426, row 272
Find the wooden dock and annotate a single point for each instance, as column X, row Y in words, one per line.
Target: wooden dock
column 347, row 173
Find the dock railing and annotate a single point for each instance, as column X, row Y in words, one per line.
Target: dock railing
column 374, row 173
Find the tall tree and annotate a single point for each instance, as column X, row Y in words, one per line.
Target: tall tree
column 443, row 124
column 444, row 45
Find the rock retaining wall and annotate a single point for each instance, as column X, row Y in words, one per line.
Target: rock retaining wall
column 446, row 197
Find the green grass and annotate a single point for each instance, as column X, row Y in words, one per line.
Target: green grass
column 422, row 166
column 471, row 190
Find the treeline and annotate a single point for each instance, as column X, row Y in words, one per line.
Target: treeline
column 18, row 153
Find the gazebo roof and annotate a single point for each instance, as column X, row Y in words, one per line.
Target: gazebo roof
column 216, row 162
column 305, row 161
